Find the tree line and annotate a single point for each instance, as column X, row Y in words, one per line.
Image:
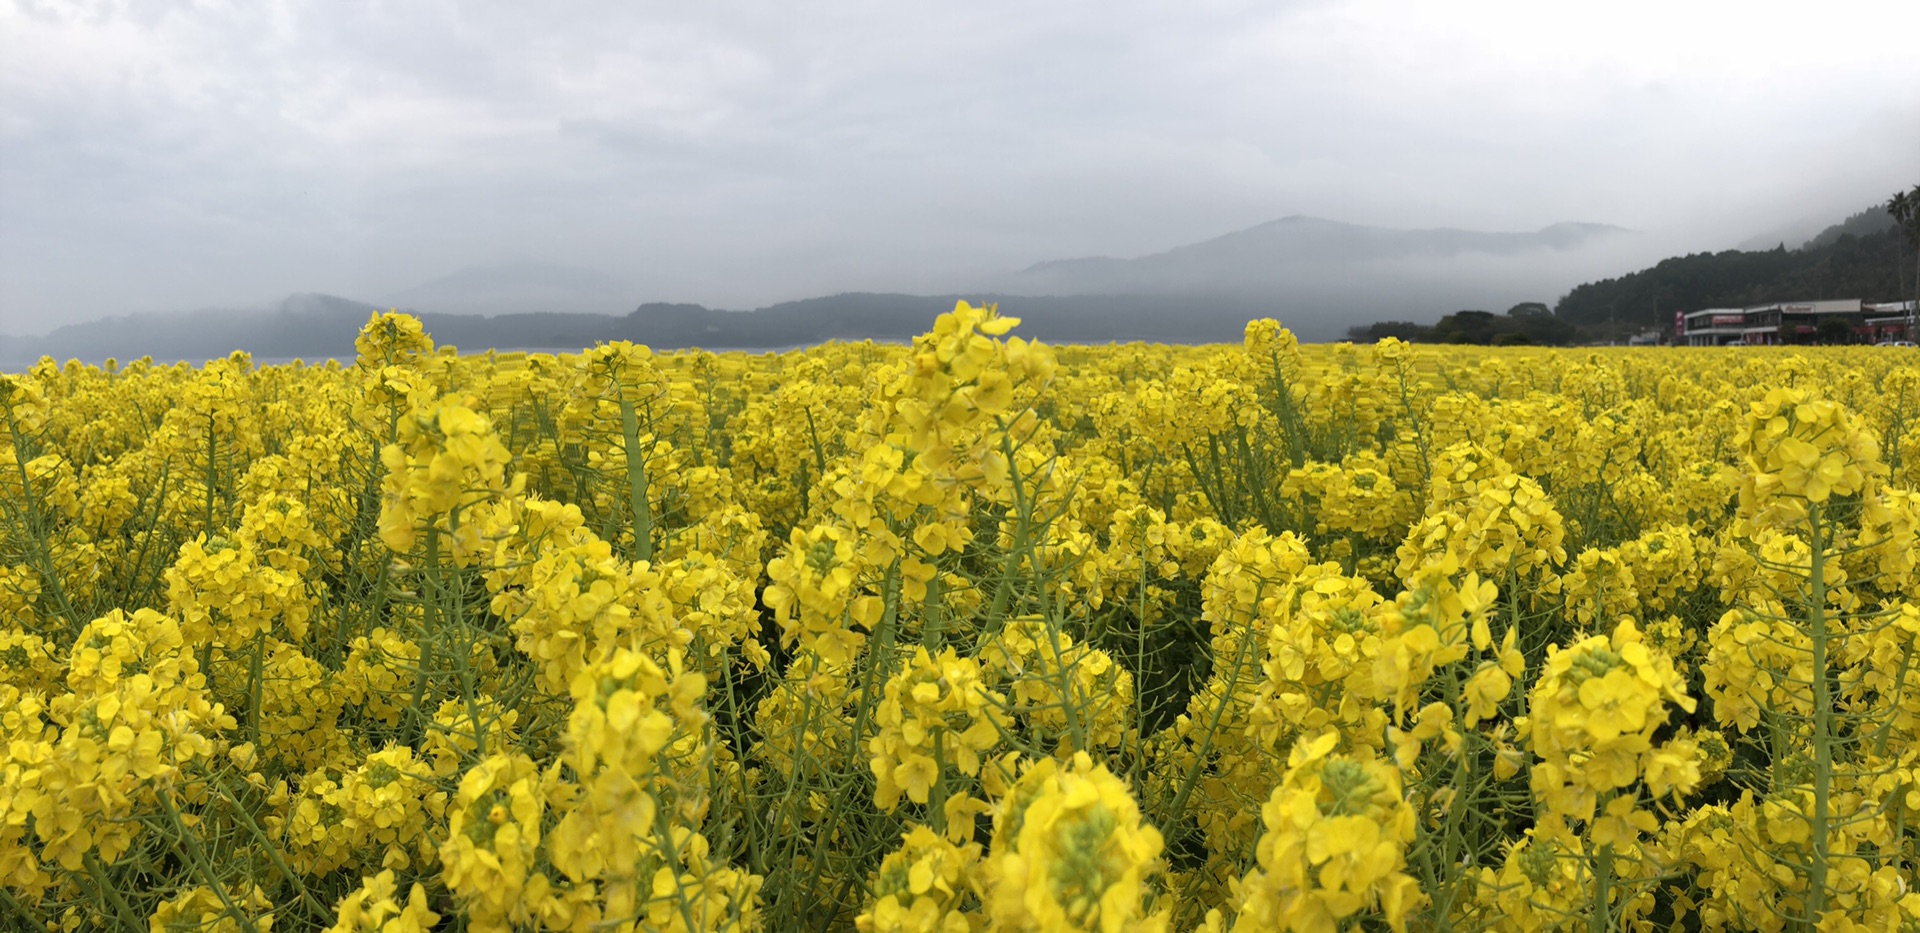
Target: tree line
column 1526, row 324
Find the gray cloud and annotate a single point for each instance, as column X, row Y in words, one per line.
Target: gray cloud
column 161, row 156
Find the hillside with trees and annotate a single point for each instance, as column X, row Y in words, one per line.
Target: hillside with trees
column 1870, row 255
column 1838, row 263
column 1875, row 219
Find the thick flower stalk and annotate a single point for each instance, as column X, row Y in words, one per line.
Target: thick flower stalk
column 622, row 390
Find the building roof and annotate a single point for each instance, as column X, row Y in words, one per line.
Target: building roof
column 1832, row 306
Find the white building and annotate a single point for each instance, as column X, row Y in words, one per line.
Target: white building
column 1714, row 327
column 1799, row 321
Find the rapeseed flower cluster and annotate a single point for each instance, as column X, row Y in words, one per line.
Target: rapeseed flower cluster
column 937, row 714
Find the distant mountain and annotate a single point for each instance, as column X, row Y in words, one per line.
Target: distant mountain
column 1298, row 255
column 301, row 325
column 316, row 327
column 519, row 287
column 1319, row 277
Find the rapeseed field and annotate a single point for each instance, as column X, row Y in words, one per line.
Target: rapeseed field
column 976, row 634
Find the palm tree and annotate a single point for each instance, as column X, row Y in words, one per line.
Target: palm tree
column 1905, row 208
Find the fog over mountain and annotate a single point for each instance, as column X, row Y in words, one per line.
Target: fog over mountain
column 516, row 286
column 1318, row 276
column 1321, row 276
column 1277, row 256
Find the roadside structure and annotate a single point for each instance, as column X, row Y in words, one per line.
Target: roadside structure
column 1845, row 320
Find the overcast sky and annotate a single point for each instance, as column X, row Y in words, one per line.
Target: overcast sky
column 166, row 156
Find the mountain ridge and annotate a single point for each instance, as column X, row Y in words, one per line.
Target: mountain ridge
column 317, row 326
column 1862, row 256
column 1319, row 276
column 1268, row 253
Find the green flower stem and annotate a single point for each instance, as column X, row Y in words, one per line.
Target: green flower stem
column 637, row 484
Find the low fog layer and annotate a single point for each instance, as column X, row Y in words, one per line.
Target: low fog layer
column 162, row 156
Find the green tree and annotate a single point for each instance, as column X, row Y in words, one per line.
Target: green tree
column 1537, row 324
column 1471, row 327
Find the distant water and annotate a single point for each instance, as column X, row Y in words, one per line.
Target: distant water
column 555, row 351
column 18, row 364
